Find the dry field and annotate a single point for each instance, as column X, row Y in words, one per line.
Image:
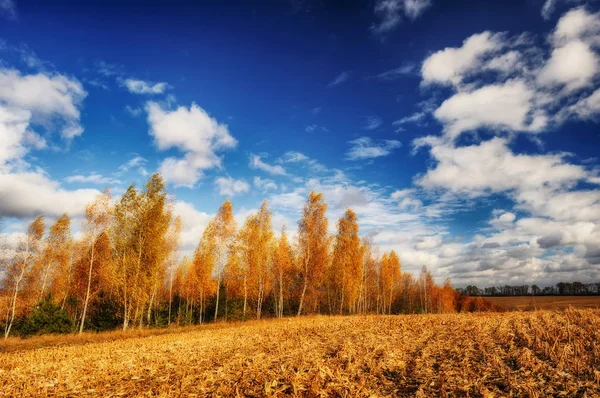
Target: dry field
column 533, row 354
column 529, row 303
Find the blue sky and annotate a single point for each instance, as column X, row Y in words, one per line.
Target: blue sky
column 464, row 134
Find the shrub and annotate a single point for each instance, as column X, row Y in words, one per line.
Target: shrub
column 47, row 317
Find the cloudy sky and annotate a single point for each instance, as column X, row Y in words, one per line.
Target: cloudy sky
column 464, row 134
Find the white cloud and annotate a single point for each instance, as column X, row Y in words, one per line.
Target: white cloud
column 548, row 9
column 193, row 132
column 391, row 12
column 396, row 73
column 339, row 79
column 257, row 163
column 416, row 117
column 414, row 8
column 228, row 186
column 15, row 137
column 50, row 99
column 509, row 106
column 588, row 107
column 574, row 65
column 194, row 223
column 136, row 161
column 577, row 24
column 300, row 159
column 491, row 166
column 51, row 102
column 294, row 157
column 372, row 122
column 29, row 194
column 503, row 220
column 402, row 193
column 452, row 65
column 264, row 184
column 366, row 148
column 315, row 127
column 136, row 86
column 93, row 178
column 428, row 242
column 135, row 112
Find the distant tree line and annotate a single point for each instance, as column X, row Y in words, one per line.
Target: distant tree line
column 560, row 289
column 123, row 270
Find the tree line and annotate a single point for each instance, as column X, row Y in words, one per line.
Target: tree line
column 123, row 270
column 560, row 289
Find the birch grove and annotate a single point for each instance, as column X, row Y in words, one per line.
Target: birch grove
column 126, row 269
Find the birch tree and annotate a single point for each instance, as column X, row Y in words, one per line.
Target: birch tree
column 313, row 249
column 97, row 220
column 26, row 255
column 283, row 264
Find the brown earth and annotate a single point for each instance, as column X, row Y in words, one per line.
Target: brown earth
column 529, row 303
column 524, row 354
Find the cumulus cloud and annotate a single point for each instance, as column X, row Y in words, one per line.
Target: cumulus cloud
column 509, row 106
column 29, row 194
column 511, row 85
column 194, row 222
column 51, row 100
column 573, row 65
column 365, row 148
column 257, row 163
column 491, row 167
column 452, row 65
column 136, row 86
column 228, row 186
column 192, row 131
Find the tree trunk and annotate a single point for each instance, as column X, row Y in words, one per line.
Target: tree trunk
column 217, row 304
column 245, row 294
column 280, row 293
column 14, row 305
column 89, row 285
column 302, row 296
column 170, row 297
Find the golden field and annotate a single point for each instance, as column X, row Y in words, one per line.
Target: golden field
column 532, row 354
column 531, row 303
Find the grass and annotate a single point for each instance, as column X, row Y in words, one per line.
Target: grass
column 531, row 303
column 543, row 353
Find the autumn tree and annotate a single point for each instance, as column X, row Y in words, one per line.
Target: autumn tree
column 56, row 259
column 257, row 250
column 141, row 246
column 172, row 243
column 390, row 279
column 97, row 219
column 313, row 247
column 26, row 255
column 345, row 272
column 202, row 267
column 283, row 265
column 223, row 229
column 157, row 215
column 426, row 290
